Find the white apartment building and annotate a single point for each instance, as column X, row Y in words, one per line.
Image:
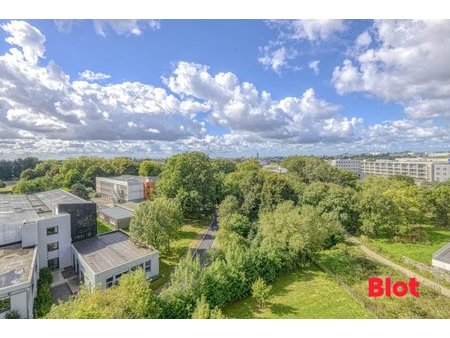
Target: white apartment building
column 57, row 229
column 348, row 164
column 441, row 172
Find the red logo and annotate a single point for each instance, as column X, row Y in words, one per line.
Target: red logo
column 379, row 287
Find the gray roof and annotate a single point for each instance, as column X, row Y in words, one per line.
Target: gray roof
column 116, row 213
column 110, row 250
column 16, row 265
column 129, row 178
column 15, row 210
column 443, row 254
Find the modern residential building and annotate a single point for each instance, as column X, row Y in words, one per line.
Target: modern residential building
column 126, row 188
column 348, row 164
column 19, row 271
column 417, row 168
column 101, row 260
column 441, row 258
column 117, row 217
column 58, row 230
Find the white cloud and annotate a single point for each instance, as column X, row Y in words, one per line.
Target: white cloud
column 314, row 65
column 314, row 30
column 409, row 65
column 89, row 75
column 27, row 37
column 64, row 26
column 277, row 58
column 125, row 27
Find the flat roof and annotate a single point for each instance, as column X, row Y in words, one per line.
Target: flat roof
column 443, row 254
column 16, row 265
column 116, row 212
column 110, row 250
column 132, row 206
column 129, row 178
column 15, row 210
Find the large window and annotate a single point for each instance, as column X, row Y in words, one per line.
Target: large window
column 5, row 305
column 52, row 246
column 109, row 282
column 148, row 266
column 52, row 231
column 53, row 264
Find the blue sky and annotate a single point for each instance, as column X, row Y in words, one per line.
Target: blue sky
column 226, row 87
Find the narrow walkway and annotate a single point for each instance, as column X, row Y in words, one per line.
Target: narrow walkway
column 397, row 267
column 207, row 241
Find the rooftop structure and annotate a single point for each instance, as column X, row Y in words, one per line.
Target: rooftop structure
column 441, row 258
column 125, row 188
column 16, row 265
column 118, row 217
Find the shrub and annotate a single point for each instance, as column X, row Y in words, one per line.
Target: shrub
column 12, row 315
column 43, row 301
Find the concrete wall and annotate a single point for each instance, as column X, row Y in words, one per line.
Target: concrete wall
column 135, row 191
column 63, row 237
column 439, row 264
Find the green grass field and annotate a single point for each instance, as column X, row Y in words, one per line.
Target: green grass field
column 190, row 231
column 102, row 227
column 308, row 293
column 354, row 269
column 437, row 237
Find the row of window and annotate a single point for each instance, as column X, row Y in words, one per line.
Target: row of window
column 115, row 279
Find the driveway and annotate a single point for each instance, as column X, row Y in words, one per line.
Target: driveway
column 207, row 240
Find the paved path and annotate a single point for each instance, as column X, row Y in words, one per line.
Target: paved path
column 207, row 240
column 445, row 291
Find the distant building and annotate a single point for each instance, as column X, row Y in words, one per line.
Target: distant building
column 126, row 188
column 275, row 169
column 441, row 258
column 417, row 168
column 117, row 217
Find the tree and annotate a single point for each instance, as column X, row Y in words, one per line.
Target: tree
column 157, row 222
column 79, row 190
column 223, row 165
column 203, row 311
column 275, row 189
column 150, row 168
column 261, row 292
column 439, row 199
column 124, row 166
column 189, row 178
column 248, row 165
column 132, row 298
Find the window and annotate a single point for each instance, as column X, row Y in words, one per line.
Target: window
column 52, row 246
column 133, row 268
column 148, row 266
column 53, row 264
column 52, row 231
column 5, row 305
column 109, row 282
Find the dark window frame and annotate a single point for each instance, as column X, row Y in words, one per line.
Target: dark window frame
column 6, row 306
column 50, row 247
column 52, row 228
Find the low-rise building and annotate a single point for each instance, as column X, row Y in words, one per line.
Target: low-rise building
column 126, row 188
column 117, row 217
column 441, row 258
column 347, row 164
column 101, row 261
column 19, row 271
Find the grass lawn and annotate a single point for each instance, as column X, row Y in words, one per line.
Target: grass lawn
column 308, row 293
column 437, row 237
column 102, row 227
column 189, row 233
column 354, row 269
column 6, row 190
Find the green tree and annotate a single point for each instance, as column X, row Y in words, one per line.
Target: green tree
column 222, row 165
column 79, row 190
column 189, row 178
column 72, row 177
column 261, row 292
column 124, row 166
column 157, row 222
column 275, row 189
column 439, row 199
column 132, row 298
column 150, row 168
column 248, row 165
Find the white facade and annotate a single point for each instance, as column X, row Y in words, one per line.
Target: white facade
column 19, row 294
column 416, row 170
column 441, row 172
column 348, row 164
column 120, row 189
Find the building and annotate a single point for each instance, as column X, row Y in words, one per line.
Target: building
column 101, row 260
column 117, row 217
column 417, row 168
column 58, row 230
column 126, row 188
column 348, row 164
column 441, row 258
column 275, row 169
column 19, row 271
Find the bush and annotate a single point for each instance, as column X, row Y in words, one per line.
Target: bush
column 2, row 184
column 43, row 301
column 12, row 315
